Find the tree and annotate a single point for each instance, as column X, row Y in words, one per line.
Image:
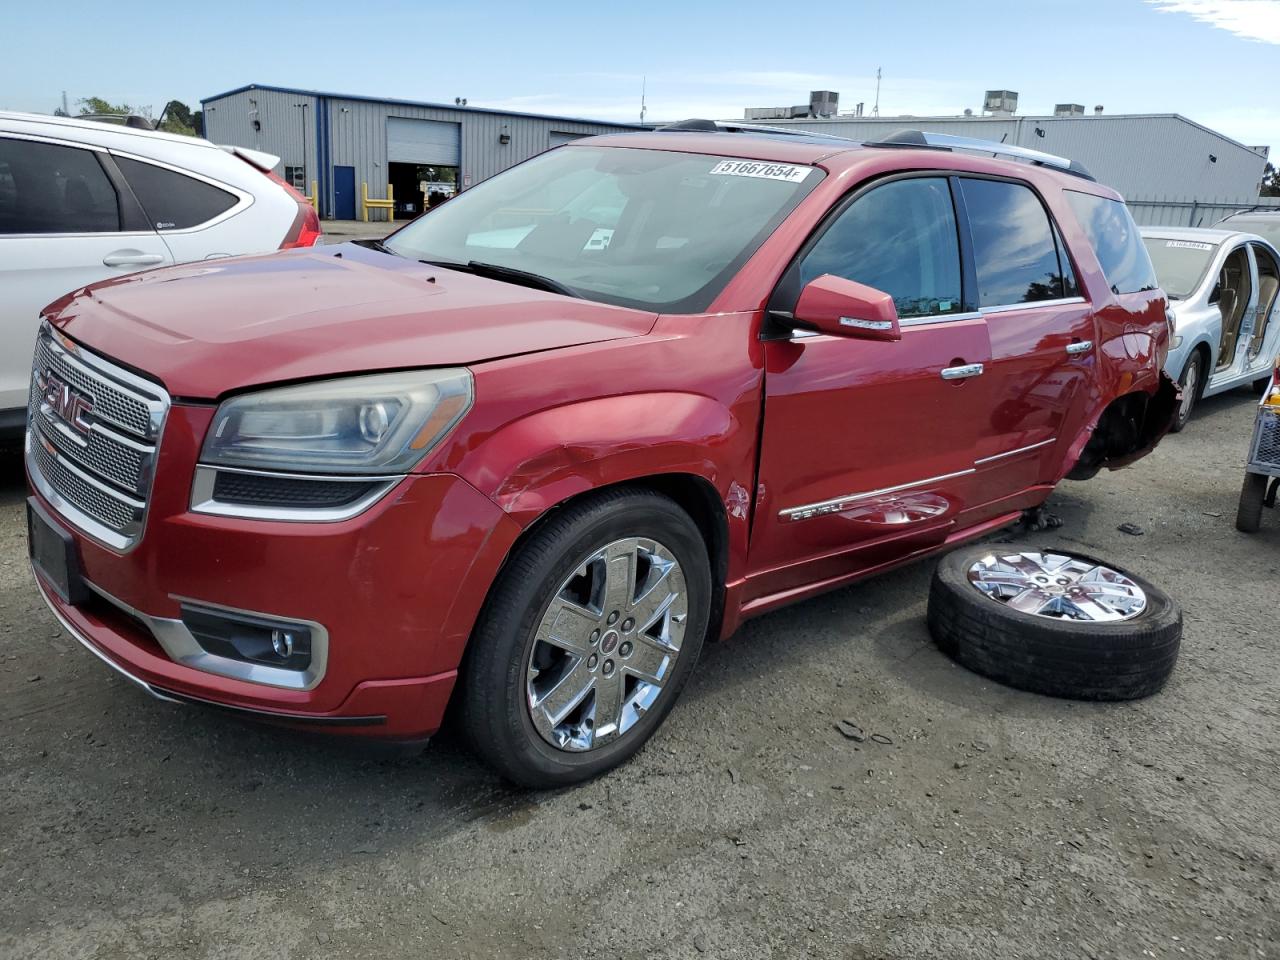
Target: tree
column 1270, row 181
column 178, row 118
column 91, row 105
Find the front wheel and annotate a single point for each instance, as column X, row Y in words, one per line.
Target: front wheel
column 1190, row 382
column 587, row 639
column 1252, row 496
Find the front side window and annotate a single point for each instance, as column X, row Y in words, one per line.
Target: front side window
column 296, row 177
column 47, row 188
column 174, row 201
column 899, row 238
column 1116, row 241
column 1014, row 251
column 651, row 229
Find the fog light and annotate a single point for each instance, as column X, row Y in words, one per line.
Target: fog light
column 249, row 638
column 282, row 643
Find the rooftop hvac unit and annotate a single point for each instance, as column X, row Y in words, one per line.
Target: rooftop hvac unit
column 1000, row 101
column 823, row 103
column 1068, row 110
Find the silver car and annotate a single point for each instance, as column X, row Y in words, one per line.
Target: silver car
column 1223, row 287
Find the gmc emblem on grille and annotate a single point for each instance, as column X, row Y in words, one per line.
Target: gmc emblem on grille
column 68, row 404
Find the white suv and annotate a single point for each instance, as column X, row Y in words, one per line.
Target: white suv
column 82, row 200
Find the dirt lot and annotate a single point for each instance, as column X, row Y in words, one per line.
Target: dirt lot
column 995, row 824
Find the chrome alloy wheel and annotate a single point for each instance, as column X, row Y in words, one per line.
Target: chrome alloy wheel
column 1058, row 586
column 607, row 644
column 1190, row 389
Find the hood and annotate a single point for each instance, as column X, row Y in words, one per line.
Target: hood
column 210, row 328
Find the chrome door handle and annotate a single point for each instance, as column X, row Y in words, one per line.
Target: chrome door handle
column 962, row 372
column 122, row 259
column 1083, row 346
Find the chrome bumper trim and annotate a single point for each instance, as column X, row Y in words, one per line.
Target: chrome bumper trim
column 84, row 642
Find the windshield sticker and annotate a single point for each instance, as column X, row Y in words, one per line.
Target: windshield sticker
column 1188, row 244
column 765, row 171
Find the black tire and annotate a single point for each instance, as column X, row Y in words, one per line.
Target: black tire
column 1183, row 415
column 495, row 711
column 1252, row 495
column 1115, row 660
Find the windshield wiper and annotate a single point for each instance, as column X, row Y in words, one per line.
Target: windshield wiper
column 373, row 244
column 496, row 271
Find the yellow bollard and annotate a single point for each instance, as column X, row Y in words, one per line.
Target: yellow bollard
column 388, row 204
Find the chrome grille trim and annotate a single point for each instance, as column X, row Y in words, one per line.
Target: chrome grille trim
column 96, row 472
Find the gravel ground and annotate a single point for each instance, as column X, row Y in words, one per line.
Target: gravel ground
column 991, row 823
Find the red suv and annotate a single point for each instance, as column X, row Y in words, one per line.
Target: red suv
column 537, row 446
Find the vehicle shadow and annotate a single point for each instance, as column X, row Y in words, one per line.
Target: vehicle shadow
column 13, row 481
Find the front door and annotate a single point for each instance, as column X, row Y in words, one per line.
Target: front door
column 867, row 452
column 61, row 228
column 344, row 193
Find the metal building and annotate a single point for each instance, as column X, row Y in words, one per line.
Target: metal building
column 340, row 142
column 1171, row 170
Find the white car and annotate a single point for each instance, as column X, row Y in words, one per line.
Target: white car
column 82, row 201
column 1222, row 288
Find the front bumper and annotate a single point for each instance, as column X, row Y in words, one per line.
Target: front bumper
column 396, row 589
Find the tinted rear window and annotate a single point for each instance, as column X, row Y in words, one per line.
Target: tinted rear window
column 1116, row 241
column 172, row 200
column 1013, row 244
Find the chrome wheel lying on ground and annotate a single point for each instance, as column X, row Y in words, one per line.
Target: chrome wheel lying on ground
column 587, row 638
column 1053, row 622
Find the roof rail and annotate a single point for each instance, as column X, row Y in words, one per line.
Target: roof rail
column 946, row 141
column 124, row 119
column 719, row 126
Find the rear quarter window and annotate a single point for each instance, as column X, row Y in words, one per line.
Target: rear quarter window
column 1116, row 242
column 174, row 201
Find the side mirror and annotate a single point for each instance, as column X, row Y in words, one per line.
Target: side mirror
column 846, row 308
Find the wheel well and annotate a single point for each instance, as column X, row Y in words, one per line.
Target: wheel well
column 698, row 498
column 1128, row 424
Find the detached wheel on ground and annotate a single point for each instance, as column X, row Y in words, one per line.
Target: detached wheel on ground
column 587, row 638
column 1191, row 382
column 1253, row 495
column 1061, row 624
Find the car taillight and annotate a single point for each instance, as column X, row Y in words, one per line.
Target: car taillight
column 305, row 230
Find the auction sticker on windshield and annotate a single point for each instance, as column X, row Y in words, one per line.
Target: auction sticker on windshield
column 1189, row 245
column 756, row 168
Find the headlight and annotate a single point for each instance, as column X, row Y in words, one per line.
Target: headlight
column 381, row 424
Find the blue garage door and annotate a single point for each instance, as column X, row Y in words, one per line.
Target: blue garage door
column 423, row 141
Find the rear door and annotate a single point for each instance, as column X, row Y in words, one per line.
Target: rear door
column 867, row 449
column 1042, row 349
column 65, row 221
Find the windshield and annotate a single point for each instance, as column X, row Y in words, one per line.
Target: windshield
column 641, row 228
column 1180, row 264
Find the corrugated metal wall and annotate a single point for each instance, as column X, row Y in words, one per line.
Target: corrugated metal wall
column 1157, row 162
column 230, row 120
column 357, row 134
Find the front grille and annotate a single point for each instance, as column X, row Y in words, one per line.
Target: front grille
column 1266, row 443
column 91, row 443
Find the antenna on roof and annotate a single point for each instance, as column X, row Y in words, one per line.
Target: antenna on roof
column 875, row 111
column 643, row 109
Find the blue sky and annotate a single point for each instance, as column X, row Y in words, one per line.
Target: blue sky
column 1215, row 61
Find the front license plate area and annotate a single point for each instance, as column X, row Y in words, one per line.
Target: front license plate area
column 53, row 554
